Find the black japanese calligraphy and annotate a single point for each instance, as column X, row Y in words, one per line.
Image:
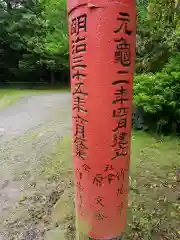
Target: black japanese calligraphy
column 111, row 177
column 121, row 175
column 80, row 153
column 79, row 130
column 120, row 190
column 79, row 45
column 81, row 148
column 79, row 24
column 78, row 65
column 123, row 52
column 121, row 115
column 120, row 138
column 121, row 95
column 121, row 123
column 108, row 168
column 77, row 59
column 124, row 20
column 120, row 151
column 80, row 200
column 78, row 104
column 120, row 208
column 120, row 144
column 80, row 120
column 121, row 178
column 86, row 168
column 79, row 89
column 99, row 216
column 79, row 174
column 120, row 112
column 98, row 180
column 79, row 186
column 123, row 138
column 122, row 72
column 99, row 201
column 121, row 81
column 122, row 55
column 78, row 75
column 79, row 138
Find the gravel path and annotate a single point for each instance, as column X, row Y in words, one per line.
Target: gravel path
column 29, row 132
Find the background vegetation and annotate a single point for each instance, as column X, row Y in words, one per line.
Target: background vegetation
column 34, row 51
column 156, row 86
column 33, row 41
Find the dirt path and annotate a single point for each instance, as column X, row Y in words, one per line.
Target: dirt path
column 29, row 132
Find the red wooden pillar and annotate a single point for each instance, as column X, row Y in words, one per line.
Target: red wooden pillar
column 102, row 52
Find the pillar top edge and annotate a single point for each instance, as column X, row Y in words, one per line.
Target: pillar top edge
column 72, row 4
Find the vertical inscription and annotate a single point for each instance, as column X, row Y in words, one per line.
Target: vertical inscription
column 121, row 100
column 122, row 56
column 105, row 181
column 109, row 177
column 78, row 31
column 78, row 43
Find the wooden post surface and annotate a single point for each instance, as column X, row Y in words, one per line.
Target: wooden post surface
column 102, row 52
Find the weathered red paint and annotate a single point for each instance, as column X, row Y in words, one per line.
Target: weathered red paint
column 102, row 52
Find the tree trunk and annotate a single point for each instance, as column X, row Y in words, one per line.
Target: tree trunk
column 52, row 78
column 9, row 7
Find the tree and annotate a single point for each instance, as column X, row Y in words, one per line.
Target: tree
column 157, row 34
column 33, row 39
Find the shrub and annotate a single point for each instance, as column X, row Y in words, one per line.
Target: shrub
column 159, row 97
column 173, row 64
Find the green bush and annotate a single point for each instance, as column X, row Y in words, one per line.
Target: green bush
column 173, row 64
column 159, row 97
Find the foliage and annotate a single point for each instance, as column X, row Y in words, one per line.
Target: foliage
column 33, row 41
column 34, row 38
column 34, row 47
column 174, row 63
column 159, row 96
column 157, row 88
column 158, row 34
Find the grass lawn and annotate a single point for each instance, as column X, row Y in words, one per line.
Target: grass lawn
column 11, row 96
column 154, row 200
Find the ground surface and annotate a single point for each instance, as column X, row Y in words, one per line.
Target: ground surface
column 9, row 97
column 36, row 189
column 154, row 202
column 30, row 132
